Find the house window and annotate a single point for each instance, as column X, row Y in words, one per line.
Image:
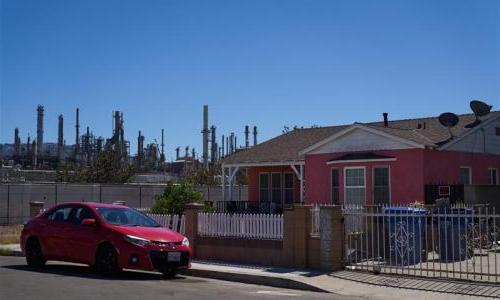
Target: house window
column 381, row 185
column 465, row 175
column 335, row 186
column 264, row 187
column 493, row 176
column 355, row 186
column 276, row 188
column 288, row 189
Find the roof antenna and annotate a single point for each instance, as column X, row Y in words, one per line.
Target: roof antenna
column 448, row 120
column 480, row 109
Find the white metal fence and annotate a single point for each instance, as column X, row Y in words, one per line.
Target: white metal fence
column 315, row 220
column 457, row 243
column 173, row 222
column 251, row 226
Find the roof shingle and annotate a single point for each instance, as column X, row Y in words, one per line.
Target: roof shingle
column 286, row 147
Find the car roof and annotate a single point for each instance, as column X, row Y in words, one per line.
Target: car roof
column 94, row 204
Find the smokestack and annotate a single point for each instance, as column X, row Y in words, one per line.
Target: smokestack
column 231, row 142
column 60, row 138
column 162, row 155
column 177, row 150
column 247, row 133
column 386, row 119
column 193, row 153
column 255, row 135
column 17, row 145
column 39, row 130
column 213, row 154
column 140, row 148
column 205, row 132
column 77, row 137
column 28, row 147
column 186, row 154
column 227, row 145
column 223, row 143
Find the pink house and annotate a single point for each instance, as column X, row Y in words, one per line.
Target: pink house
column 386, row 162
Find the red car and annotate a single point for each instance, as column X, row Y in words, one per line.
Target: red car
column 105, row 236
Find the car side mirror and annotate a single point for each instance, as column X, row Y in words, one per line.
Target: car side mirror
column 89, row 222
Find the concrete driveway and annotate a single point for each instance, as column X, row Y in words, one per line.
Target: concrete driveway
column 70, row 281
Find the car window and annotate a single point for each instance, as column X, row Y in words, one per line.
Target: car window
column 126, row 217
column 79, row 213
column 60, row 215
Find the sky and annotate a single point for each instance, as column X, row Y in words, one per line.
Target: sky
column 258, row 62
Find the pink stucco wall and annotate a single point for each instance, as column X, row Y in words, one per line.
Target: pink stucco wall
column 412, row 169
column 253, row 180
column 444, row 166
column 407, row 176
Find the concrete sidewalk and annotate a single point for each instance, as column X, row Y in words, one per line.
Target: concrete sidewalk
column 346, row 283
column 15, row 248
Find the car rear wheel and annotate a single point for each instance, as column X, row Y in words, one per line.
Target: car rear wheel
column 107, row 261
column 34, row 255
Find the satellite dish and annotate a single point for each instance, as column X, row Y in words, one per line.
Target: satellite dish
column 480, row 109
column 448, row 120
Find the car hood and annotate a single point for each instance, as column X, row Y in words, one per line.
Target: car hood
column 159, row 234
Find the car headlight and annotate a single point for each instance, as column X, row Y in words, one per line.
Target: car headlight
column 185, row 242
column 136, row 240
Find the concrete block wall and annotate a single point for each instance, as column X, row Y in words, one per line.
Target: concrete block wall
column 297, row 249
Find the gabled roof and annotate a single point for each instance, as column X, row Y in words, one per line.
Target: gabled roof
column 427, row 132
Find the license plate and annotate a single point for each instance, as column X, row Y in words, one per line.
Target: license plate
column 174, row 256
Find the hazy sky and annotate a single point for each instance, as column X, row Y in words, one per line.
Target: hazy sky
column 265, row 63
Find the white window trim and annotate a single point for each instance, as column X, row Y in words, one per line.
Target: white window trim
column 470, row 174
column 345, row 181
column 331, row 183
column 489, row 173
column 373, row 182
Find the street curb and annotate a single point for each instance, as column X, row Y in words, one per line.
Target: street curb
column 278, row 282
column 14, row 253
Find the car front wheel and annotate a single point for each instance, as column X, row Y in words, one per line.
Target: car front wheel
column 107, row 261
column 34, row 255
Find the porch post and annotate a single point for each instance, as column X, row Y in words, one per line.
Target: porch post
column 230, row 184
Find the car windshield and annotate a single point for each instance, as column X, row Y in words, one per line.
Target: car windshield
column 126, row 217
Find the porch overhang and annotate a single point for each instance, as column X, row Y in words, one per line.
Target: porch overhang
column 360, row 158
column 263, row 164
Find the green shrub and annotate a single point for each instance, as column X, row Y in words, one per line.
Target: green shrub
column 174, row 198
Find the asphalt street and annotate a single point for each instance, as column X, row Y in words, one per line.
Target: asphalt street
column 70, row 281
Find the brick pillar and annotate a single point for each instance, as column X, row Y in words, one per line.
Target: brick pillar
column 296, row 229
column 331, row 238
column 36, row 207
column 191, row 211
